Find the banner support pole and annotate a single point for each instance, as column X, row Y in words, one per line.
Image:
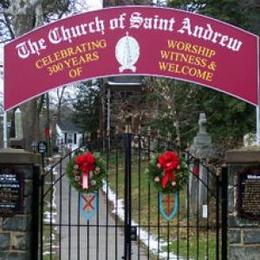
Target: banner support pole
column 258, row 125
column 5, row 124
column 5, row 130
column 258, row 98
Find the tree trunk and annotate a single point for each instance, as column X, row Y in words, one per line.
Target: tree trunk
column 23, row 21
column 60, row 96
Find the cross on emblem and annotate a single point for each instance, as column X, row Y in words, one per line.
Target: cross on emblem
column 167, row 201
column 89, row 200
column 172, row 205
column 89, row 205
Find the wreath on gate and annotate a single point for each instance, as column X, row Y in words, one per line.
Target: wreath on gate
column 168, row 172
column 86, row 172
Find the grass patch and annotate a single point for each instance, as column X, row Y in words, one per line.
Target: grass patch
column 198, row 249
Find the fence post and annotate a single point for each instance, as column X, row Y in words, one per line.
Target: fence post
column 35, row 211
column 217, row 214
column 128, row 202
column 224, row 195
column 42, row 213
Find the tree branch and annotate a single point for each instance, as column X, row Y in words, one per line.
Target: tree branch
column 8, row 25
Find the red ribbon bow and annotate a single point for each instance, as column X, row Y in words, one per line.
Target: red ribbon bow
column 169, row 162
column 86, row 163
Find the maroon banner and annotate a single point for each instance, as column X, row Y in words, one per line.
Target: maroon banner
column 132, row 41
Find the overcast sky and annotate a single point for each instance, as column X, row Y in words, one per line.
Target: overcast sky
column 93, row 4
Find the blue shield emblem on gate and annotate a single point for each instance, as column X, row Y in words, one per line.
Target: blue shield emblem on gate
column 88, row 204
column 168, row 215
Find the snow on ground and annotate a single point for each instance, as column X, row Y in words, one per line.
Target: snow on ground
column 147, row 239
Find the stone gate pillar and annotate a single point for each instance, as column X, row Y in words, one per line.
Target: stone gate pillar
column 243, row 204
column 19, row 175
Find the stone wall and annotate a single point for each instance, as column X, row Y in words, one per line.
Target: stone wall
column 243, row 234
column 17, row 232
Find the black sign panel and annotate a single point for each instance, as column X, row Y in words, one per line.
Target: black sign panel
column 42, row 147
column 248, row 205
column 11, row 191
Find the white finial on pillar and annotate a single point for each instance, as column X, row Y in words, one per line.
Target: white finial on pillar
column 18, row 124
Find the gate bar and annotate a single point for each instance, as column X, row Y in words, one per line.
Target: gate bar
column 35, row 218
column 217, row 214
column 224, row 212
column 42, row 181
column 258, row 95
column 128, row 202
column 258, row 125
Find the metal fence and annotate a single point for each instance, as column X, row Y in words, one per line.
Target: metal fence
column 128, row 223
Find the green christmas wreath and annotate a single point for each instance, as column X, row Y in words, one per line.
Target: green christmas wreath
column 86, row 172
column 168, row 172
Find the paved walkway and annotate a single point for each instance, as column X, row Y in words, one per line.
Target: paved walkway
column 100, row 240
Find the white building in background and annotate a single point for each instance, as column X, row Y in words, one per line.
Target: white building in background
column 69, row 137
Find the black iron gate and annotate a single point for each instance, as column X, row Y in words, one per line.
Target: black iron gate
column 128, row 224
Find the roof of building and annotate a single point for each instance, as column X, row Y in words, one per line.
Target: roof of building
column 68, row 125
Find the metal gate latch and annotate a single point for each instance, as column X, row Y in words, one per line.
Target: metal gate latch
column 133, row 233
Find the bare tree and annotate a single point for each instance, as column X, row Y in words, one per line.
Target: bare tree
column 16, row 18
